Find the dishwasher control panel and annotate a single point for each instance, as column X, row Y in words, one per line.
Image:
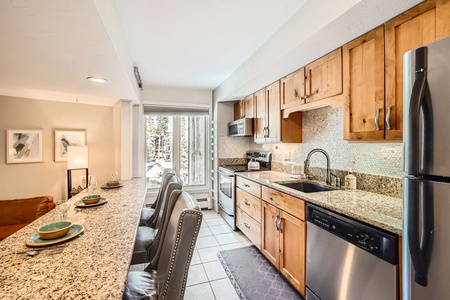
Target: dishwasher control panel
column 376, row 241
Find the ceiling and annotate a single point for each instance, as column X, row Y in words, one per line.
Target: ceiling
column 49, row 47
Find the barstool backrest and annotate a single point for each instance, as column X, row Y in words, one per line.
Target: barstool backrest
column 177, row 246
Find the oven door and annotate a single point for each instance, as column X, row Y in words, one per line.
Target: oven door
column 226, row 196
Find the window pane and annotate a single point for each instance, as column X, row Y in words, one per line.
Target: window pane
column 159, row 145
column 193, row 150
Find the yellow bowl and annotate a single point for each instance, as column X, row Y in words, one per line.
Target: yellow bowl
column 91, row 199
column 112, row 183
column 54, row 230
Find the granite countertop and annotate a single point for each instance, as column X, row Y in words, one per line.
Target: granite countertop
column 375, row 209
column 92, row 266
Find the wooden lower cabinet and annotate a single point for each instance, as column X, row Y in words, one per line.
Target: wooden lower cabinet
column 248, row 210
column 249, row 226
column 283, row 239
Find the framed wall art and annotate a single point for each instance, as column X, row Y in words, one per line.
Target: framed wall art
column 24, row 146
column 65, row 138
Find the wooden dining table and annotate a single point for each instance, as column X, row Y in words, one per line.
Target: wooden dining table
column 93, row 265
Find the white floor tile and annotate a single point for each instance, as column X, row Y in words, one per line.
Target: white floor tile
column 204, row 231
column 248, row 243
column 214, row 270
column 210, row 214
column 215, row 221
column 209, row 254
column 219, row 229
column 195, row 258
column 196, row 275
column 224, row 290
column 242, row 237
column 199, row 292
column 232, row 246
column 206, row 242
column 226, row 238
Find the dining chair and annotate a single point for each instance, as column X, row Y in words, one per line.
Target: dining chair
column 167, row 279
column 148, row 213
column 146, row 236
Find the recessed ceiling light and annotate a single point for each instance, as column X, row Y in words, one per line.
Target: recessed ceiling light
column 97, row 79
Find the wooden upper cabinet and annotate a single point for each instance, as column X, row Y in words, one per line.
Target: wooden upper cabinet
column 410, row 30
column 248, row 107
column 293, row 89
column 244, row 108
column 273, row 113
column 324, row 77
column 237, row 110
column 259, row 100
column 363, row 77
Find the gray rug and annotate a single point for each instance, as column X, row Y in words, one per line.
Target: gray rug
column 254, row 277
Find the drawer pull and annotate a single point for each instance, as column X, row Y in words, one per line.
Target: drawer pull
column 246, row 202
column 246, row 185
column 246, row 225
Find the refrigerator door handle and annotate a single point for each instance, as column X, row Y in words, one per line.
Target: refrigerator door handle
column 420, row 101
column 420, row 242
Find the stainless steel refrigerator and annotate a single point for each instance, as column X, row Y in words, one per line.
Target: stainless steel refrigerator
column 426, row 225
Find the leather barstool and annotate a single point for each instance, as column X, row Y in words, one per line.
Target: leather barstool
column 146, row 236
column 148, row 213
column 167, row 279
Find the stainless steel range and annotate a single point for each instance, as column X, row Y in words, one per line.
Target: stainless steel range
column 227, row 185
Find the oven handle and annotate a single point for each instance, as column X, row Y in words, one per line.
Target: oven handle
column 226, row 174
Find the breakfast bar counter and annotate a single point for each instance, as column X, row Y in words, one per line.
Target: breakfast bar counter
column 93, row 265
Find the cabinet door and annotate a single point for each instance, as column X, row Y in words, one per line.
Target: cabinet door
column 363, row 63
column 237, row 110
column 260, row 118
column 410, row 30
column 292, row 250
column 273, row 113
column 324, row 77
column 270, row 238
column 293, row 89
column 247, row 105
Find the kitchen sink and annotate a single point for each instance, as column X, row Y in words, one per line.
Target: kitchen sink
column 306, row 187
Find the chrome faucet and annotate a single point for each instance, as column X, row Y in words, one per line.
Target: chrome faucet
column 328, row 176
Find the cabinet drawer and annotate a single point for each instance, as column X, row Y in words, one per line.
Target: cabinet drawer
column 249, row 227
column 249, row 204
column 249, row 186
column 292, row 205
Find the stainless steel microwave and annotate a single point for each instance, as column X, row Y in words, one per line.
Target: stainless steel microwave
column 241, row 127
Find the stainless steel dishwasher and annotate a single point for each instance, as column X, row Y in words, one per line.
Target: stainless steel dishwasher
column 347, row 259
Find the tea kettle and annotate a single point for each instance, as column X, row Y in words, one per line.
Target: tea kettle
column 253, row 164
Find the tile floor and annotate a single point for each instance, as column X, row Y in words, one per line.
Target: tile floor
column 207, row 279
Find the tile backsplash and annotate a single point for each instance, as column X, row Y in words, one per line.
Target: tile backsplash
column 323, row 128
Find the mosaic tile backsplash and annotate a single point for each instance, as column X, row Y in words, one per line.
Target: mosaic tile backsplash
column 323, row 128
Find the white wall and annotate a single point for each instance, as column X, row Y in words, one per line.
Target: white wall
column 50, row 177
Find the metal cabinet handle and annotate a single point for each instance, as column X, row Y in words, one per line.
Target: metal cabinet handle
column 276, row 222
column 388, row 118
column 306, row 96
column 296, row 93
column 377, row 123
column 246, row 202
column 279, row 225
column 246, row 225
column 246, row 185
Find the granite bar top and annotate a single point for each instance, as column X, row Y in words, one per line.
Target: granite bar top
column 375, row 209
column 92, row 266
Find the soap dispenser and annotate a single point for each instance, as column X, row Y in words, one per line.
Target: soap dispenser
column 350, row 180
